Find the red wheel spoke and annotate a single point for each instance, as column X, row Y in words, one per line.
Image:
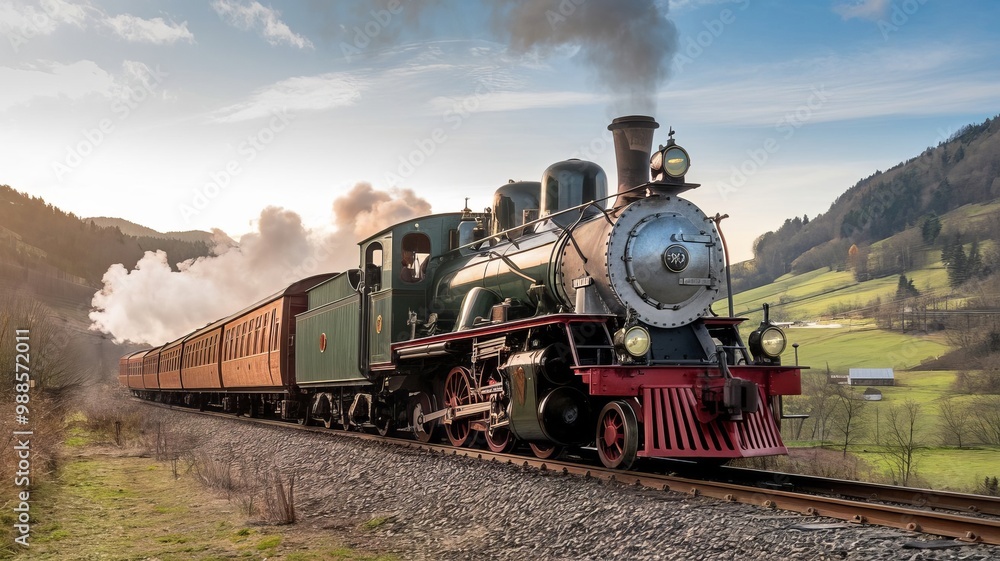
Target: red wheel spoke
column 617, row 436
column 458, row 392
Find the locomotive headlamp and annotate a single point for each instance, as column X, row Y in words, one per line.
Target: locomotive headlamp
column 675, row 161
column 634, row 341
column 767, row 341
column 671, row 160
column 772, row 341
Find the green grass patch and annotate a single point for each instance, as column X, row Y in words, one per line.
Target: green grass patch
column 946, row 467
column 268, row 542
column 77, row 434
column 117, row 508
column 376, row 523
column 866, row 347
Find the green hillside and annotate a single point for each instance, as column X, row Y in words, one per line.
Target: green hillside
column 833, row 314
column 963, row 170
column 839, row 322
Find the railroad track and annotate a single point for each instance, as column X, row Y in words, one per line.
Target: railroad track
column 942, row 513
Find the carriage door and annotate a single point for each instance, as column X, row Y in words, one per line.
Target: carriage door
column 379, row 302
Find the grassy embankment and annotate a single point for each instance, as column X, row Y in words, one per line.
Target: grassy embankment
column 111, row 503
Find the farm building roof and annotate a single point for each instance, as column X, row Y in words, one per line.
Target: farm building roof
column 871, row 374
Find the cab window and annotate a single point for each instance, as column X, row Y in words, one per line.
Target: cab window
column 415, row 252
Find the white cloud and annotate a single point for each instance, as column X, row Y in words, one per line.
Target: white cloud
column 266, row 21
column 67, row 12
column 24, row 22
column 53, row 80
column 855, row 86
column 74, row 82
column 301, row 93
column 864, row 9
column 156, row 31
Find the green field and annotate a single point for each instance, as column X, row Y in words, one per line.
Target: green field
column 832, row 325
column 864, row 346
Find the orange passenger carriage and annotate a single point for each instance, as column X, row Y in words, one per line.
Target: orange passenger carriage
column 170, row 366
column 134, row 368
column 151, row 369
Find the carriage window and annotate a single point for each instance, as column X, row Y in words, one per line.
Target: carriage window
column 416, row 250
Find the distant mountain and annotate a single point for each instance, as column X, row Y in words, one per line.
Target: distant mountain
column 138, row 230
column 39, row 239
column 961, row 170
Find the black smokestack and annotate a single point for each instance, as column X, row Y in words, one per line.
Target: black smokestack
column 633, row 141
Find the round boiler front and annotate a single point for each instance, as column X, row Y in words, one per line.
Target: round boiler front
column 665, row 261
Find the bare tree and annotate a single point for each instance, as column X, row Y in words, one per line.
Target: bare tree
column 901, row 440
column 847, row 416
column 956, row 422
column 986, row 419
column 817, row 401
column 54, row 355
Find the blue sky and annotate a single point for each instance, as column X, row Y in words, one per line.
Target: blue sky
column 190, row 115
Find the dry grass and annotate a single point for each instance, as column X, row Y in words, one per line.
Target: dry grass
column 111, row 498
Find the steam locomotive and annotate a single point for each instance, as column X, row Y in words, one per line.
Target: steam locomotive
column 561, row 317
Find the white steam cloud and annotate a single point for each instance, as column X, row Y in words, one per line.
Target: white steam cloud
column 154, row 304
column 365, row 210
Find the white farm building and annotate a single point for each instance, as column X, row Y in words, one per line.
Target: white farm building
column 871, row 377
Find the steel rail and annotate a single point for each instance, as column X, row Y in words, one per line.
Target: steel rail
column 965, row 528
column 929, row 498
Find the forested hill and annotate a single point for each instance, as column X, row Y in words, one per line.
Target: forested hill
column 37, row 236
column 139, row 231
column 964, row 169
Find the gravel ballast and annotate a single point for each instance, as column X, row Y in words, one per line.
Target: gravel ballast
column 422, row 505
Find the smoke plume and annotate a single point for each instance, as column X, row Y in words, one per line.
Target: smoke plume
column 628, row 43
column 365, row 210
column 154, row 304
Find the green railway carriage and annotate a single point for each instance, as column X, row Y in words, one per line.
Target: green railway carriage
column 326, row 340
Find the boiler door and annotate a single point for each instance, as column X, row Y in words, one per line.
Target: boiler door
column 671, row 263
